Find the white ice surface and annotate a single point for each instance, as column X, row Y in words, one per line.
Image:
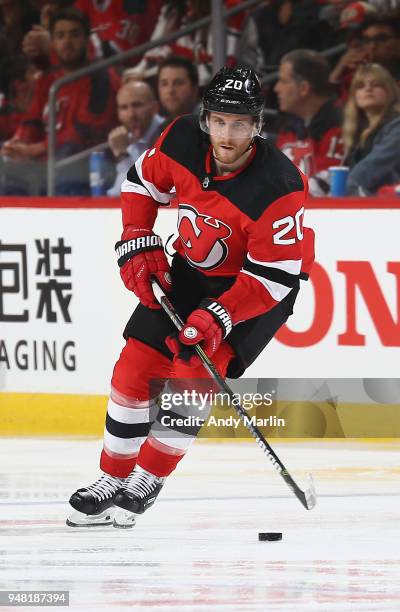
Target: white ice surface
column 197, row 548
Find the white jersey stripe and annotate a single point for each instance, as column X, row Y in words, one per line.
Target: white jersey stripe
column 276, row 290
column 159, row 196
column 129, row 187
column 292, row 266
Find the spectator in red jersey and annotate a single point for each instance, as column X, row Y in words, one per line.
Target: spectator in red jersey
column 119, row 25
column 85, row 108
column 197, row 46
column 310, row 134
column 178, row 89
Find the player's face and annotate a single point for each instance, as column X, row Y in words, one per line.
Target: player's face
column 287, row 89
column 371, row 95
column 69, row 43
column 176, row 91
column 136, row 108
column 230, row 135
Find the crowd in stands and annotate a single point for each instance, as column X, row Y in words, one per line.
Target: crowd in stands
column 330, row 71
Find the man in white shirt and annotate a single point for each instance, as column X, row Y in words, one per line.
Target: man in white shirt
column 140, row 125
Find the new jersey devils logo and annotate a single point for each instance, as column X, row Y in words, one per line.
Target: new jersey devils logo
column 301, row 154
column 203, row 238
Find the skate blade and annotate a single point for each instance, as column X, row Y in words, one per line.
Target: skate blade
column 78, row 519
column 123, row 519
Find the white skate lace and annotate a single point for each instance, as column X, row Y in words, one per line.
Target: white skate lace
column 141, row 483
column 105, row 487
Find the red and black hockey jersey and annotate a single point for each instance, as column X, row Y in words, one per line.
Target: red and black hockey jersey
column 121, row 24
column 85, row 110
column 247, row 224
column 316, row 146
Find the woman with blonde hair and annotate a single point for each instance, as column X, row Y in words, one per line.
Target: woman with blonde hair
column 371, row 130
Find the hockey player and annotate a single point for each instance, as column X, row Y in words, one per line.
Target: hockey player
column 240, row 254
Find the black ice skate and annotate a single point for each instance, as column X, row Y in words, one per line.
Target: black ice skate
column 139, row 492
column 94, row 504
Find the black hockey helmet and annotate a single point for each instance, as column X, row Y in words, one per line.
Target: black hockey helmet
column 233, row 90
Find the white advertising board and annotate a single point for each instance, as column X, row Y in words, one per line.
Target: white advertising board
column 63, row 306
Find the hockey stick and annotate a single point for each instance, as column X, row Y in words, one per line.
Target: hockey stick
column 307, row 498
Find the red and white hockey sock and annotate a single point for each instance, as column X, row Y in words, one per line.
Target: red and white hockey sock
column 128, row 423
column 159, row 458
column 170, row 437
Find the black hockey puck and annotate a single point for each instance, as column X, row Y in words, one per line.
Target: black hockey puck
column 269, row 537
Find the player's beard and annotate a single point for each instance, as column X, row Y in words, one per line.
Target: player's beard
column 230, row 156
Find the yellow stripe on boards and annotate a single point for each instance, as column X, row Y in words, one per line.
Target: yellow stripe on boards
column 45, row 414
column 41, row 414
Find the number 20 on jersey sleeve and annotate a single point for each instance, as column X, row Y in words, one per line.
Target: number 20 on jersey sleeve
column 287, row 224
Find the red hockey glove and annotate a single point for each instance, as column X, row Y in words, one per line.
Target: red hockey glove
column 208, row 324
column 140, row 257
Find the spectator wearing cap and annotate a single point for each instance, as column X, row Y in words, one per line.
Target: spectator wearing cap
column 346, row 15
column 371, row 130
column 139, row 125
column 354, row 14
column 310, row 132
column 376, row 39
